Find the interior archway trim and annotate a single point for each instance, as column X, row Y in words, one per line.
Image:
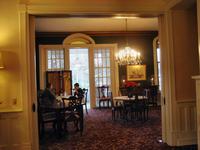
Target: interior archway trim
column 78, row 38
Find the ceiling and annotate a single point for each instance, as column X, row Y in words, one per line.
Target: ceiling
column 76, row 24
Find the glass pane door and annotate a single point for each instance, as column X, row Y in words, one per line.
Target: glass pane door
column 79, row 65
column 102, row 68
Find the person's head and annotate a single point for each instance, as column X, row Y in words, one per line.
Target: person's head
column 49, row 85
column 76, row 85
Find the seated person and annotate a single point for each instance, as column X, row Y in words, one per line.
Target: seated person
column 78, row 91
column 48, row 97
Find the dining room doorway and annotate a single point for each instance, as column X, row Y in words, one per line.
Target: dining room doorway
column 79, row 65
column 88, row 70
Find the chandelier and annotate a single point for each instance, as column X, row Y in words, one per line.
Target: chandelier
column 128, row 56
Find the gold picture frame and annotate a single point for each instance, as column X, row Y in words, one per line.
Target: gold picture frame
column 136, row 72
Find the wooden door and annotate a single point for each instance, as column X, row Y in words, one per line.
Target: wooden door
column 61, row 80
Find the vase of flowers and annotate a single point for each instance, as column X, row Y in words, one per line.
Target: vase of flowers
column 130, row 87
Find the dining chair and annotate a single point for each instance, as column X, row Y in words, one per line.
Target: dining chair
column 103, row 96
column 141, row 109
column 73, row 114
column 129, row 109
column 141, row 104
column 84, row 102
column 45, row 116
column 115, row 107
column 151, row 94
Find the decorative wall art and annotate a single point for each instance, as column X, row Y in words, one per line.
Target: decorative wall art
column 136, row 72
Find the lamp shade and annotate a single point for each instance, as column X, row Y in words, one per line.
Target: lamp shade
column 1, row 61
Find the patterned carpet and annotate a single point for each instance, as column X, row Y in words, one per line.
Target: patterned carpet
column 101, row 133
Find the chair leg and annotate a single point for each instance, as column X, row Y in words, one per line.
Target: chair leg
column 86, row 108
column 112, row 115
column 54, row 126
column 43, row 129
column 76, row 125
column 99, row 104
column 65, row 126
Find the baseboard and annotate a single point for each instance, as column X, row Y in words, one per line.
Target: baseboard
column 186, row 141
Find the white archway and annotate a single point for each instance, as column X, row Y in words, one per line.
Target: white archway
column 78, row 38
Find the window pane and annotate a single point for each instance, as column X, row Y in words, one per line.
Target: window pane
column 104, row 62
column 100, row 62
column 104, row 81
column 103, row 54
column 160, row 84
column 107, row 53
column 54, row 63
column 49, row 64
column 159, row 73
column 99, row 54
column 108, row 72
column 100, row 82
column 49, row 54
column 108, row 81
column 53, row 54
column 158, row 54
column 62, row 54
column 57, row 54
column 62, row 63
column 95, row 62
column 96, row 73
column 108, row 62
column 96, row 81
column 100, row 73
column 104, row 72
column 57, row 63
column 55, row 59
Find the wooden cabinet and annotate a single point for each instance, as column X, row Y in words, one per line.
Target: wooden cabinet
column 61, row 80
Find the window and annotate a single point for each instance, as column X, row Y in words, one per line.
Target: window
column 102, row 67
column 157, row 63
column 55, row 59
column 158, row 66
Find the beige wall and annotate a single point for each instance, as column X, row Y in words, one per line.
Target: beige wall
column 13, row 126
column 185, row 52
column 104, row 5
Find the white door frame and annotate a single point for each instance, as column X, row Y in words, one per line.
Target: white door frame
column 90, row 47
column 25, row 11
column 27, row 46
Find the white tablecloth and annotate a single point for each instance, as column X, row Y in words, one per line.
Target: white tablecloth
column 118, row 100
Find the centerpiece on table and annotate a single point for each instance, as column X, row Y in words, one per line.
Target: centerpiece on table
column 130, row 87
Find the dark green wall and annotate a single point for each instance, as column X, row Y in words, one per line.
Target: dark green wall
column 142, row 42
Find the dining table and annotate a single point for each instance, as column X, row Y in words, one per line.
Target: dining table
column 59, row 106
column 135, row 104
column 118, row 100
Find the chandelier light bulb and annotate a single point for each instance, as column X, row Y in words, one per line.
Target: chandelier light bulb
column 128, row 56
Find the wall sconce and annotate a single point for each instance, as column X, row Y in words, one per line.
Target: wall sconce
column 1, row 61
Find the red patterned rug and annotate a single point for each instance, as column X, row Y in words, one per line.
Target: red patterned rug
column 102, row 133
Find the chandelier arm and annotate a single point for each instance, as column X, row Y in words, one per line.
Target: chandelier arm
column 128, row 56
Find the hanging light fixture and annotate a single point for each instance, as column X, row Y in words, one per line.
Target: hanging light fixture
column 128, row 56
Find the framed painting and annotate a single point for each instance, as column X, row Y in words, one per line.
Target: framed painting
column 136, row 72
